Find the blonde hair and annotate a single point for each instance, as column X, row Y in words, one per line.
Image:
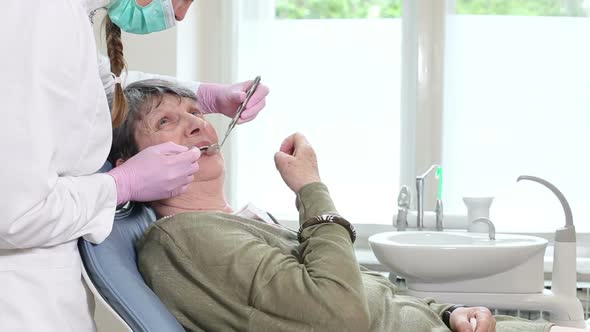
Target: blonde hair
column 115, row 52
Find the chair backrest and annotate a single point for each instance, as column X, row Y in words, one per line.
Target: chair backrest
column 112, row 267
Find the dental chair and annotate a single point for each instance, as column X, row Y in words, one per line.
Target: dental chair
column 111, row 269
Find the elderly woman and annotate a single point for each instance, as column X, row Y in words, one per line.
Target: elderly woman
column 218, row 270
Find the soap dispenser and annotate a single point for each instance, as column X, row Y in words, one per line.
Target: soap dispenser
column 477, row 207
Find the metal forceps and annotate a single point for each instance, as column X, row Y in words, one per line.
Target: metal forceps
column 214, row 148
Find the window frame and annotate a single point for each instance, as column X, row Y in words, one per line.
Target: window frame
column 216, row 28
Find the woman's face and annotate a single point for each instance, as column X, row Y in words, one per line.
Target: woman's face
column 180, row 7
column 179, row 120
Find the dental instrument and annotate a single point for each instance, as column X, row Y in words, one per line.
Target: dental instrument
column 420, row 195
column 438, row 209
column 564, row 275
column 403, row 204
column 214, row 148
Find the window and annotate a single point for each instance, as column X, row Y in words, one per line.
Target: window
column 516, row 102
column 516, row 75
column 344, row 9
column 335, row 85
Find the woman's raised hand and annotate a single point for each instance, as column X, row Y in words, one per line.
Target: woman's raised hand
column 157, row 172
column 296, row 162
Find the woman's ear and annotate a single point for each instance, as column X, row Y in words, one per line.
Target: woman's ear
column 119, row 162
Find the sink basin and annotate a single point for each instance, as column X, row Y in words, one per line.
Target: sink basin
column 463, row 261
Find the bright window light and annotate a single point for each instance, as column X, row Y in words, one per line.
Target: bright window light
column 516, row 102
column 338, row 83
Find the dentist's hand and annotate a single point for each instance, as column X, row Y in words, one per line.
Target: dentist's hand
column 225, row 99
column 297, row 163
column 157, row 172
column 460, row 320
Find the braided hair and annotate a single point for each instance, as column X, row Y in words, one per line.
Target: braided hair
column 115, row 53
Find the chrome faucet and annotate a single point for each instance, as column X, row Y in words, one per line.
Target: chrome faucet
column 420, row 200
column 491, row 227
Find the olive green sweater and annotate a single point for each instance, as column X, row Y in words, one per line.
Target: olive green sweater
column 220, row 272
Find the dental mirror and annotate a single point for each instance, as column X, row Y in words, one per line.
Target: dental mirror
column 214, row 148
column 211, row 149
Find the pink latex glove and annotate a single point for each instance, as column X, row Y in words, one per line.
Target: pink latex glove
column 225, row 99
column 157, row 172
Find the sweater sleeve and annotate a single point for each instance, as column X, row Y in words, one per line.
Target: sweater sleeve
column 319, row 286
column 47, row 209
column 438, row 308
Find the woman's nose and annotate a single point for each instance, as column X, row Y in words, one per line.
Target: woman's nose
column 194, row 126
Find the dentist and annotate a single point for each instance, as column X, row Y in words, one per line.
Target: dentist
column 57, row 133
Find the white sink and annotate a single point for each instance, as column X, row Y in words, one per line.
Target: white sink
column 462, row 261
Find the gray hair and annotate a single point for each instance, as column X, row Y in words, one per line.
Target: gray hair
column 142, row 97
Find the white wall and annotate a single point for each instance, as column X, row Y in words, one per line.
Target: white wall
column 154, row 53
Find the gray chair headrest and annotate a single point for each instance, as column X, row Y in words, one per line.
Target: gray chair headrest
column 112, row 266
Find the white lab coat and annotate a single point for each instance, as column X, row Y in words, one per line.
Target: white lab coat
column 56, row 133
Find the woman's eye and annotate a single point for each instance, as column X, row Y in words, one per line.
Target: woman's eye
column 196, row 113
column 162, row 122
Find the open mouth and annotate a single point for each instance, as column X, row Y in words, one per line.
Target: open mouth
column 211, row 149
column 207, row 148
column 203, row 145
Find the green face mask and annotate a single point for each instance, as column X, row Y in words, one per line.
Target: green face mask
column 132, row 18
